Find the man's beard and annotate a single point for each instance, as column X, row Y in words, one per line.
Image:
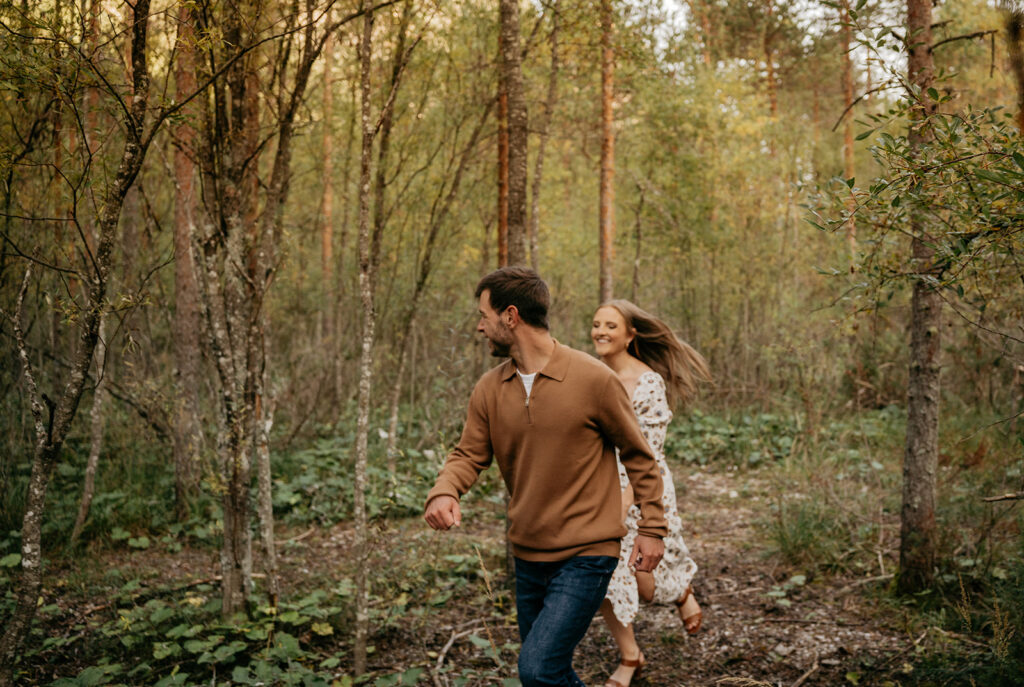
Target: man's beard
column 499, row 349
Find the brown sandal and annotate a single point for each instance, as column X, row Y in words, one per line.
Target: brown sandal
column 692, row 622
column 637, row 663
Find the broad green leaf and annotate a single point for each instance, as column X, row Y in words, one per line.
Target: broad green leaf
column 10, row 560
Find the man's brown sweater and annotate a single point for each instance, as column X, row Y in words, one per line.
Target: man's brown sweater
column 556, row 452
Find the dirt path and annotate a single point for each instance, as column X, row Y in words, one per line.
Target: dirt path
column 818, row 633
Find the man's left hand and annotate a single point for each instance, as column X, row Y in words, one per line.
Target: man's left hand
column 647, row 553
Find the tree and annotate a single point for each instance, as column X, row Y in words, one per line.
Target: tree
column 606, row 192
column 917, row 517
column 188, row 438
column 53, row 425
column 543, row 132
column 512, row 80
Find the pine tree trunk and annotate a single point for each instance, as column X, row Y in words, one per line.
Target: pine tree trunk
column 1015, row 43
column 544, row 127
column 917, row 517
column 606, row 217
column 849, row 171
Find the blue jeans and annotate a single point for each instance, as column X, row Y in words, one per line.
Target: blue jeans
column 556, row 601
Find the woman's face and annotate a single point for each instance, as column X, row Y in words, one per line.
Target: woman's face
column 609, row 332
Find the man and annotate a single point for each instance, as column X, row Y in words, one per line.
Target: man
column 552, row 417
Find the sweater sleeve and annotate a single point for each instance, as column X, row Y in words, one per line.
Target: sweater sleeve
column 471, row 456
column 620, row 425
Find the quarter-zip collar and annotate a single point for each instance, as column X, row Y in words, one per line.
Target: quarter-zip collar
column 556, row 368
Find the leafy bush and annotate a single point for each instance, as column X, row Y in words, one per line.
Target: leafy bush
column 746, row 440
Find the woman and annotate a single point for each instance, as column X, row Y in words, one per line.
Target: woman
column 650, row 361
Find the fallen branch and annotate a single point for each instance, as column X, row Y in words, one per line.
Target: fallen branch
column 860, row 583
column 1005, row 497
column 810, row 671
column 456, row 635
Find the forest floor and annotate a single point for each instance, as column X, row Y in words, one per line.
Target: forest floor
column 761, row 626
column 764, row 623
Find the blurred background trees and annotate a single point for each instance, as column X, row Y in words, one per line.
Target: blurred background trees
column 293, row 256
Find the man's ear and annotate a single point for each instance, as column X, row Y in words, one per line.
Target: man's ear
column 511, row 316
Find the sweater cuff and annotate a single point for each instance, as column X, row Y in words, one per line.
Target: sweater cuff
column 656, row 532
column 442, row 488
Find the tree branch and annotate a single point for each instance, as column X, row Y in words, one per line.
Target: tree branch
column 965, row 37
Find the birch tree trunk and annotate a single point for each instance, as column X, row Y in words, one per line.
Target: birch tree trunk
column 51, row 432
column 97, row 417
column 606, row 216
column 362, row 546
column 917, row 517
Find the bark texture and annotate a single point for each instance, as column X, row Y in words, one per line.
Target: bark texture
column 1015, row 42
column 543, row 128
column 511, row 59
column 606, row 200
column 366, row 279
column 53, row 430
column 917, row 516
column 187, row 433
column 849, row 171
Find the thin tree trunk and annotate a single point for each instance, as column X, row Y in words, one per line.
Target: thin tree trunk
column 502, row 224
column 1015, row 41
column 438, row 218
column 50, row 435
column 362, row 544
column 917, row 517
column 638, row 231
column 265, row 496
column 511, row 58
column 606, row 219
column 846, row 38
column 326, row 337
column 97, row 423
column 187, row 428
column 545, row 125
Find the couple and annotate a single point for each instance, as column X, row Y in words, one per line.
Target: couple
column 580, row 521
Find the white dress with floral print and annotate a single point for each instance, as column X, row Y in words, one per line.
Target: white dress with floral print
column 676, row 570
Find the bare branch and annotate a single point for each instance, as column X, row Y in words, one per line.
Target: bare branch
column 1005, row 497
column 965, row 37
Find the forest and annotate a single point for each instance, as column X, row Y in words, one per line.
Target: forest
column 240, row 240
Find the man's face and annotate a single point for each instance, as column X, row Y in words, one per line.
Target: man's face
column 494, row 328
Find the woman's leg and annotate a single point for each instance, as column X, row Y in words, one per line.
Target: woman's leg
column 625, row 640
column 689, row 611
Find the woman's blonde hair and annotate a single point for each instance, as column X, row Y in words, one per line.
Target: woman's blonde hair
column 656, row 345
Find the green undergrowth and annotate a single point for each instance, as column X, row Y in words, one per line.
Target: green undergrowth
column 835, row 508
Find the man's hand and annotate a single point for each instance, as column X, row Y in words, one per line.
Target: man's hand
column 647, row 553
column 443, row 513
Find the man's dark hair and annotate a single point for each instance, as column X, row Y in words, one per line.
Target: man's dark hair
column 521, row 287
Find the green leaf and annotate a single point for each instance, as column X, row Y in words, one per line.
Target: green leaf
column 162, row 650
column 479, row 642
column 139, row 542
column 853, row 678
column 933, row 94
column 1019, row 159
column 10, row 560
column 410, row 676
column 864, row 134
column 118, row 534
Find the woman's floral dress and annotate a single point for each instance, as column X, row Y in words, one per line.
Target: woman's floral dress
column 676, row 570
